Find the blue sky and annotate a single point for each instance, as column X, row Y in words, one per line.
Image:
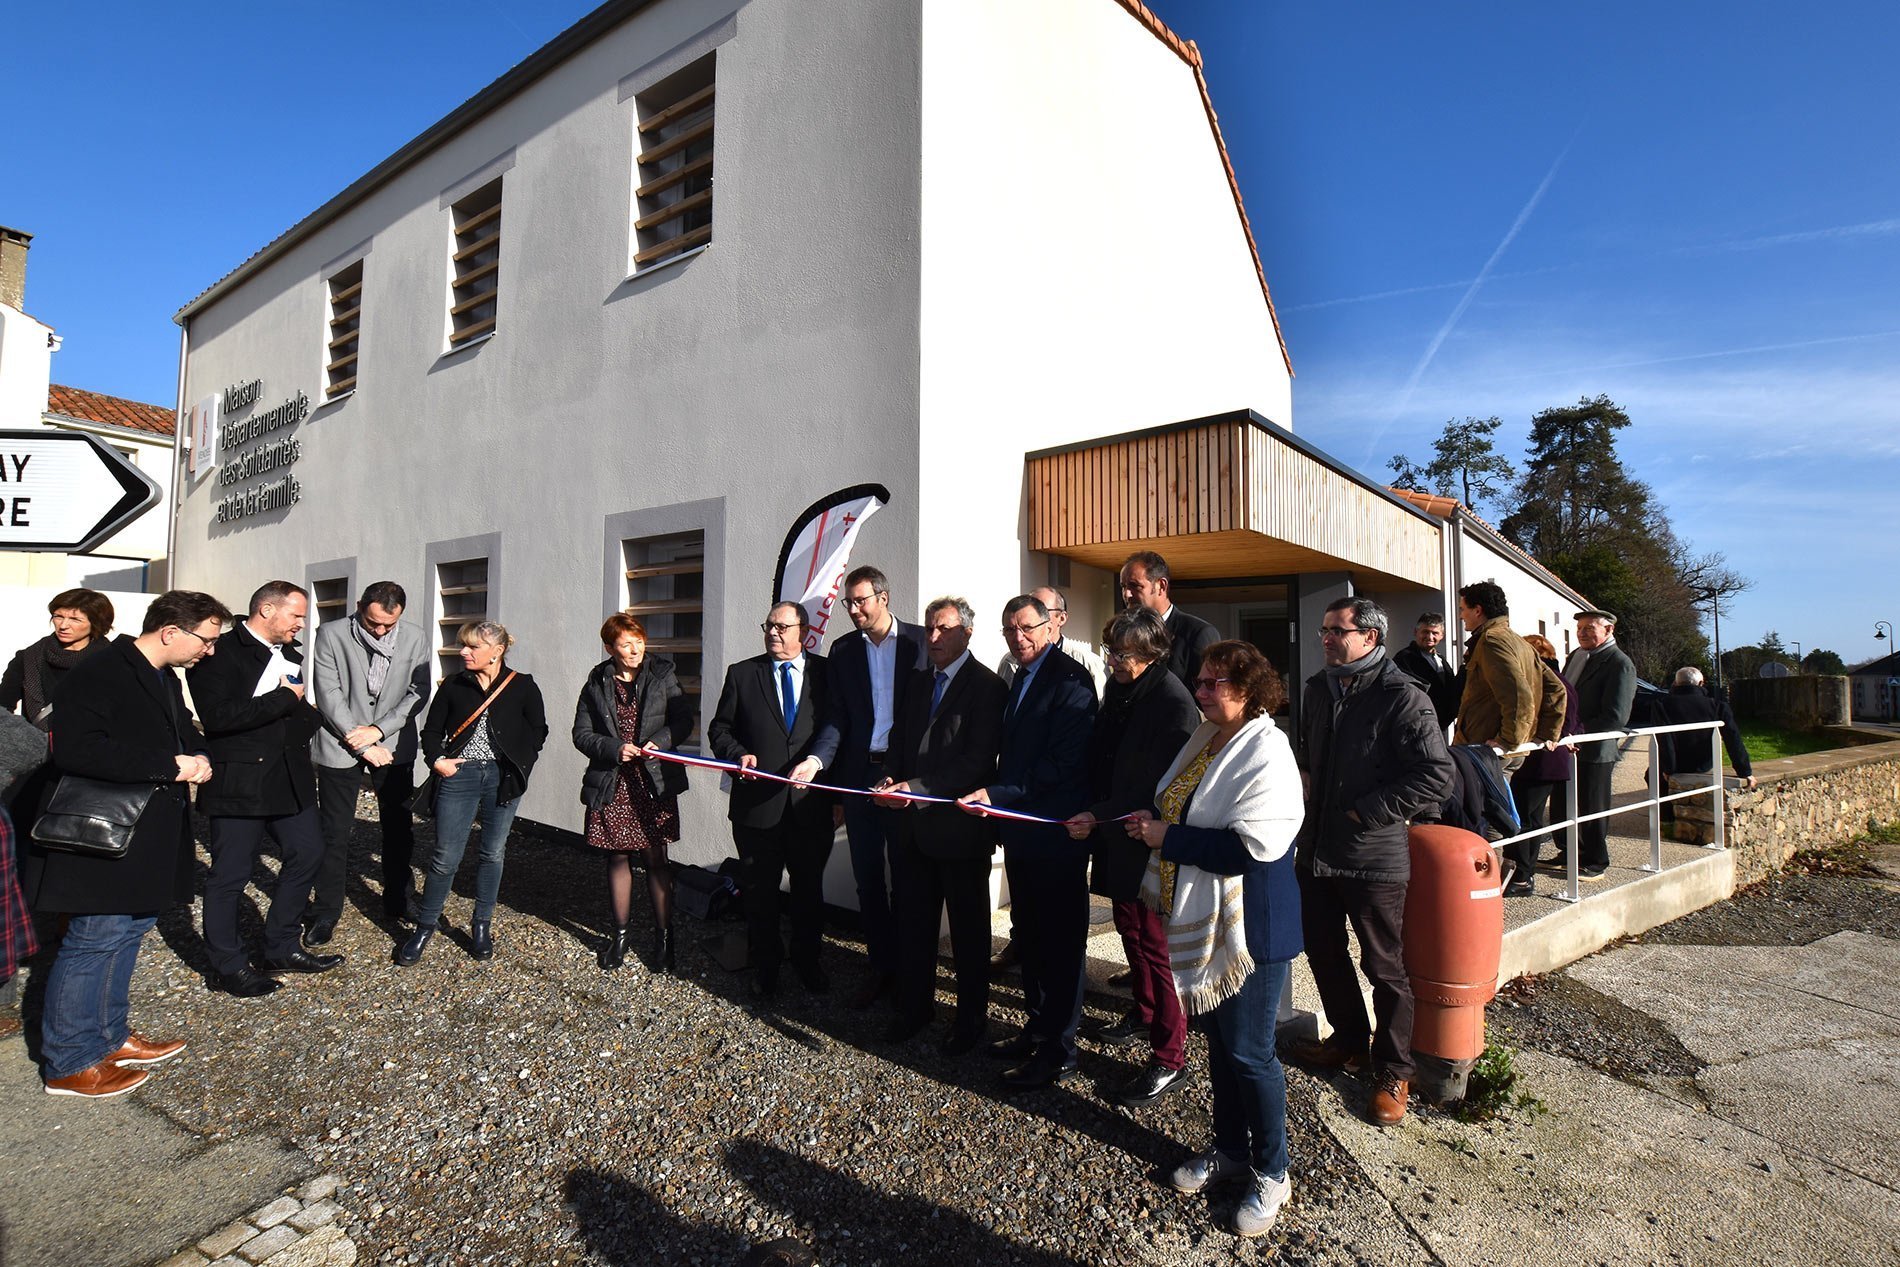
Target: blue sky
column 1463, row 209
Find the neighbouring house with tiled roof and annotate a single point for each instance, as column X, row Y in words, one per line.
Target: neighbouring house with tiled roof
column 595, row 339
column 133, row 559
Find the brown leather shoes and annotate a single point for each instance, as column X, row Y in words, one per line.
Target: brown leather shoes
column 1387, row 1107
column 143, row 1051
column 1328, row 1054
column 101, row 1082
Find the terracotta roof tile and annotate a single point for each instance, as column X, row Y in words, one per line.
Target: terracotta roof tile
column 1445, row 507
column 116, row 411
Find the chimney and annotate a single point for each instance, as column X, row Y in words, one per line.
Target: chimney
column 13, row 244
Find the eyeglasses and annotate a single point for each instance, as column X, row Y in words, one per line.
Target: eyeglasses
column 1208, row 683
column 1123, row 657
column 1022, row 631
column 209, row 642
column 1338, row 631
column 858, row 604
column 773, row 627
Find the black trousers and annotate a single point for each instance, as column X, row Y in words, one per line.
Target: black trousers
column 798, row 846
column 1593, row 794
column 925, row 886
column 337, row 789
column 1049, row 898
column 1376, row 913
column 234, row 843
column 1538, row 801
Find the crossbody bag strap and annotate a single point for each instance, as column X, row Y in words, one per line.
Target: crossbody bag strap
column 499, row 688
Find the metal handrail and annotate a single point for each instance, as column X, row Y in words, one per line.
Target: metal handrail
column 1655, row 801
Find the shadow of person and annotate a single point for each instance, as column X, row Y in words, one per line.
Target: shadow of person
column 627, row 1226
column 882, row 1226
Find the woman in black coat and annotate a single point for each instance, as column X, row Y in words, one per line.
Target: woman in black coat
column 629, row 701
column 1147, row 714
column 81, row 621
column 482, row 759
column 1540, row 780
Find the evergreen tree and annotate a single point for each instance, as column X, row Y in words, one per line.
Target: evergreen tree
column 1466, row 464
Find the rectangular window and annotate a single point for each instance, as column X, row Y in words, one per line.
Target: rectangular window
column 674, row 173
column 331, row 599
column 477, row 264
column 346, row 323
column 461, row 596
column 666, row 588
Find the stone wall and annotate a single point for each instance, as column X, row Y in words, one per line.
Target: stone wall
column 1807, row 702
column 1805, row 802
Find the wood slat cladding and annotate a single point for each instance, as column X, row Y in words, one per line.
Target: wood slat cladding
column 1223, row 497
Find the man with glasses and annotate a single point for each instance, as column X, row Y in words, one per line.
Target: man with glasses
column 1372, row 756
column 121, row 718
column 369, row 679
column 1145, row 583
column 250, row 697
column 1075, row 648
column 1042, row 770
column 870, row 669
column 770, row 708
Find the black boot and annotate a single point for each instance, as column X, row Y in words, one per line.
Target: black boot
column 481, row 938
column 614, row 953
column 664, row 959
column 410, row 951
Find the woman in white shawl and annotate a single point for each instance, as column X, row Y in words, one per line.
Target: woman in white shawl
column 1221, row 875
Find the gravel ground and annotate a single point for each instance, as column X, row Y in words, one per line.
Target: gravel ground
column 537, row 1109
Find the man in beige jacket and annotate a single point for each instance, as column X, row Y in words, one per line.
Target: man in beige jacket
column 1502, row 682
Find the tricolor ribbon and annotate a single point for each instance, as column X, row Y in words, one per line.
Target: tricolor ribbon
column 915, row 798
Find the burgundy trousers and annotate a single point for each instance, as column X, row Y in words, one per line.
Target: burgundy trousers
column 1157, row 1006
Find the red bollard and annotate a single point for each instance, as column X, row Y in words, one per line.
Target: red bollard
column 1454, row 936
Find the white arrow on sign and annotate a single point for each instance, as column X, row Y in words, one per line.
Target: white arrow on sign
column 66, row 491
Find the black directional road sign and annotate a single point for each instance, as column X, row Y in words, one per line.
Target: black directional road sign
column 66, row 491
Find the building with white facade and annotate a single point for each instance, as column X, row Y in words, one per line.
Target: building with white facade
column 594, row 339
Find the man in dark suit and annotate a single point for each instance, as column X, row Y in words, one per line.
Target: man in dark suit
column 1042, row 770
column 870, row 669
column 1422, row 659
column 770, row 708
column 1605, row 682
column 944, row 743
column 1145, row 583
column 250, row 697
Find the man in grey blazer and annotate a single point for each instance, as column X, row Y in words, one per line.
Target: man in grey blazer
column 369, row 678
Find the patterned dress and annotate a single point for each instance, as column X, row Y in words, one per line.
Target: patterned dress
column 635, row 820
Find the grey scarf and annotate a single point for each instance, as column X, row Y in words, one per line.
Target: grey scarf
column 1338, row 674
column 380, row 651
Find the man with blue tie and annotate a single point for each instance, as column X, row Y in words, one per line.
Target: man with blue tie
column 770, row 709
column 1042, row 771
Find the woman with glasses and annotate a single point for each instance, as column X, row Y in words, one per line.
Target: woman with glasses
column 1145, row 718
column 629, row 701
column 1221, row 876
column 485, row 729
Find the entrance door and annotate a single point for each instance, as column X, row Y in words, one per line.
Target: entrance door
column 1272, row 633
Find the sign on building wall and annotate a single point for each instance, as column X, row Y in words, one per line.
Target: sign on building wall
column 254, row 452
column 66, row 491
column 202, row 427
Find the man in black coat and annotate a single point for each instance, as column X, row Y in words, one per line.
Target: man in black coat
column 871, row 668
column 1145, row 582
column 770, row 709
column 1604, row 679
column 1693, row 751
column 1042, row 770
column 250, row 697
column 1427, row 664
column 120, row 717
column 1373, row 756
column 944, row 743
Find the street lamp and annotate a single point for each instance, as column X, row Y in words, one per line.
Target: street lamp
column 1797, row 657
column 1893, row 704
column 1715, row 610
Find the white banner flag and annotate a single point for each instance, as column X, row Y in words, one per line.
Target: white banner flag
column 204, row 435
column 817, row 552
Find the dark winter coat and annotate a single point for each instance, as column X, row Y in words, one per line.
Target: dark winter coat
column 1552, row 765
column 115, row 717
column 1377, row 752
column 260, row 746
column 950, row 754
column 517, row 725
column 664, row 708
column 1441, row 685
column 1137, row 736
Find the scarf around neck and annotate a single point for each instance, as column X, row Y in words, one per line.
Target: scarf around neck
column 34, row 687
column 1370, row 660
column 380, row 651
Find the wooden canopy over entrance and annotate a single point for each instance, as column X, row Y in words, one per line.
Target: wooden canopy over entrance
column 1230, row 495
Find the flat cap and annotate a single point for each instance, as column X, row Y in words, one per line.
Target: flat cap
column 1599, row 614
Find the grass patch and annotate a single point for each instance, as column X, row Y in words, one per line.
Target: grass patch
column 1766, row 743
column 1492, row 1089
column 1849, row 858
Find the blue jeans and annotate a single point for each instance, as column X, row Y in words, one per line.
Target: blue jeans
column 471, row 790
column 88, row 991
column 1249, row 1084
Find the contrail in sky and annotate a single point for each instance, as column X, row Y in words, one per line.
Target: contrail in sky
column 1708, row 356
column 1471, row 293
column 1871, row 229
column 1427, row 289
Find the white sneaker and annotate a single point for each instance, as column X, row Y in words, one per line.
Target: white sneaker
column 1261, row 1207
column 1202, row 1169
